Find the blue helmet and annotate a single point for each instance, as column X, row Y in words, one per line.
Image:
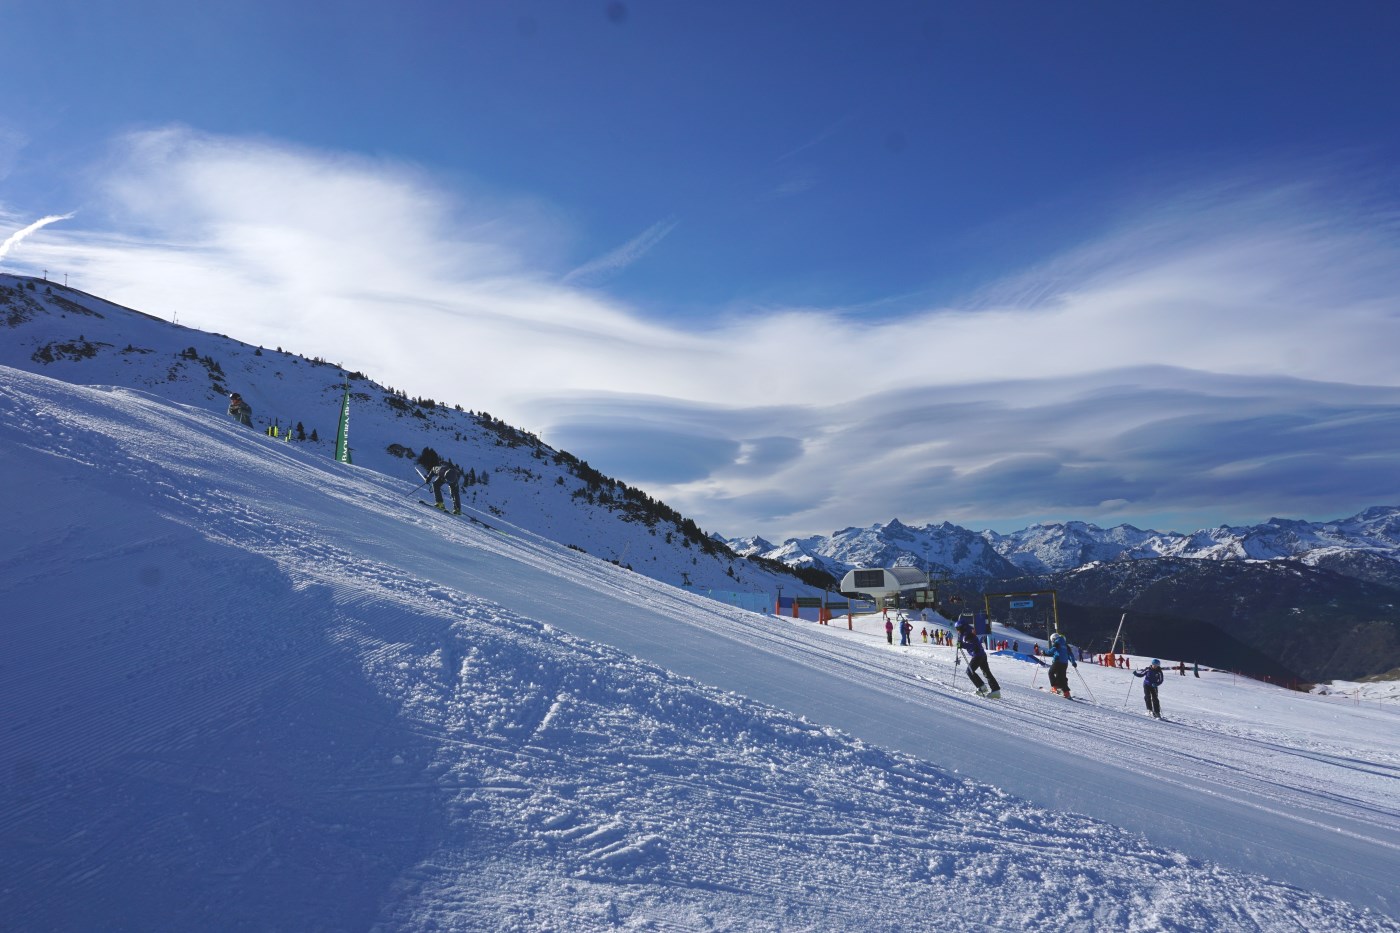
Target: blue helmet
column 1156, row 663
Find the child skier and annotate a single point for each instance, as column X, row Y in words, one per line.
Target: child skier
column 1151, row 680
column 1060, row 658
column 976, row 658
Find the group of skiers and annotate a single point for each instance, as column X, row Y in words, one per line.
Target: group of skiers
column 1061, row 654
column 906, row 630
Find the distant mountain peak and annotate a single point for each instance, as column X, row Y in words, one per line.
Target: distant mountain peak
column 1053, row 547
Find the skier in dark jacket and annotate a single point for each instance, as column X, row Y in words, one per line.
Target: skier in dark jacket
column 446, row 473
column 1061, row 656
column 977, row 658
column 1151, row 679
column 442, row 473
column 240, row 410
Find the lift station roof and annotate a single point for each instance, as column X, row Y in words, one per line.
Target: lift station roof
column 881, row 582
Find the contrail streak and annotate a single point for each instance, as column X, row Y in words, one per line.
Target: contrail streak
column 624, row 255
column 15, row 238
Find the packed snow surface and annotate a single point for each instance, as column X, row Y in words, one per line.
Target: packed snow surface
column 246, row 687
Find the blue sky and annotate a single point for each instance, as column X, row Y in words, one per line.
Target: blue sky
column 789, row 266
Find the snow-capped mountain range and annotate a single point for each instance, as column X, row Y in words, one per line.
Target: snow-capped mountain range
column 946, row 547
column 1063, row 546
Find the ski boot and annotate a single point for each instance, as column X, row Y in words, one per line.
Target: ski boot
column 983, row 690
column 456, row 511
column 994, row 695
column 439, row 505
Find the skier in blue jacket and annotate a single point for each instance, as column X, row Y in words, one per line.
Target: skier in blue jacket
column 1060, row 658
column 1151, row 679
column 977, row 658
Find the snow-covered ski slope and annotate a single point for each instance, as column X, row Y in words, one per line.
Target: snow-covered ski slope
column 79, row 338
column 245, row 687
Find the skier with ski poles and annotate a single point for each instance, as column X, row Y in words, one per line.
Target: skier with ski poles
column 447, row 474
column 977, row 658
column 1060, row 658
column 442, row 473
column 1151, row 679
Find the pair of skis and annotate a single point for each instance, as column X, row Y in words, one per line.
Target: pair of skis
column 471, row 518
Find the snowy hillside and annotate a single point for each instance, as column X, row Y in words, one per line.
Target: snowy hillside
column 247, row 687
column 69, row 335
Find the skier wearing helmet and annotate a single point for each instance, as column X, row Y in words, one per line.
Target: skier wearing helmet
column 1151, row 679
column 240, row 410
column 977, row 658
column 1060, row 658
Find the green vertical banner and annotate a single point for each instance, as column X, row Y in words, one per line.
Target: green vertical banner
column 342, row 434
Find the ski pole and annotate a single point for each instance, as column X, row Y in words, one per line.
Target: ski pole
column 1086, row 685
column 957, row 661
column 1129, row 696
column 1037, row 675
column 415, row 489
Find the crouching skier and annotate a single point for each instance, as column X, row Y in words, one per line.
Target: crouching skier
column 442, row 473
column 1061, row 657
column 1151, row 679
column 977, row 658
column 447, row 474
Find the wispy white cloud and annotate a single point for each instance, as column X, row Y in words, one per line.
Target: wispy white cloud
column 1107, row 361
column 14, row 239
column 612, row 263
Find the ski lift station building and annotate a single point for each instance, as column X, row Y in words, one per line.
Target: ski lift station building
column 882, row 583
